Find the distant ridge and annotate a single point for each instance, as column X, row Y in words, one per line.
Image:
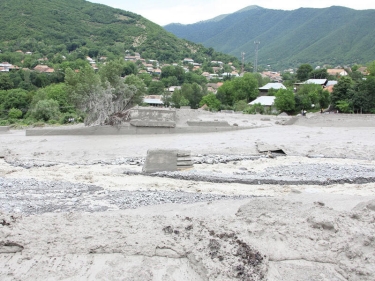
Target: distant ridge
column 334, row 35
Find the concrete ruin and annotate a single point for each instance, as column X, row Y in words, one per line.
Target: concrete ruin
column 4, row 129
column 161, row 160
column 143, row 121
column 153, row 117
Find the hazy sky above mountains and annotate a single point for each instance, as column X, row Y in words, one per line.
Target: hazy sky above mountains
column 164, row 12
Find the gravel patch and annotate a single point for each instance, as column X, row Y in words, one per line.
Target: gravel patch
column 302, row 174
column 30, row 196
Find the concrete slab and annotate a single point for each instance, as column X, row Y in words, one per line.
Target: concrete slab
column 4, row 129
column 265, row 147
column 161, row 160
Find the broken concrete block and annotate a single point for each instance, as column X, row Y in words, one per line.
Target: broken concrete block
column 161, row 160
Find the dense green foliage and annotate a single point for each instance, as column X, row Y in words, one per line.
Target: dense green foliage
column 334, row 35
column 285, row 101
column 311, row 96
column 236, row 89
column 354, row 96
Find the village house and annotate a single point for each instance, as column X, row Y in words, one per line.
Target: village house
column 157, row 71
column 363, row 70
column 337, row 72
column 206, row 74
column 188, row 60
column 266, row 101
column 217, row 62
column 322, row 82
column 5, row 67
column 329, row 86
column 273, row 76
column 43, row 69
column 154, row 100
column 212, row 87
column 216, row 69
column 90, row 60
column 263, row 91
column 171, row 89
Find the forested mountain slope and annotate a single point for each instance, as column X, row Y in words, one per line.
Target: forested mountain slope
column 53, row 26
column 334, row 35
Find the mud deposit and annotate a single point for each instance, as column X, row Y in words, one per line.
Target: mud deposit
column 80, row 208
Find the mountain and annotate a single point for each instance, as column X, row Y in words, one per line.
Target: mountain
column 334, row 35
column 64, row 26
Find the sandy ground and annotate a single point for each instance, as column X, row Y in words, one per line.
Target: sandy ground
column 289, row 232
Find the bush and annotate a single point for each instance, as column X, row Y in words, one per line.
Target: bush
column 4, row 122
column 240, row 105
column 254, row 109
column 46, row 110
column 14, row 113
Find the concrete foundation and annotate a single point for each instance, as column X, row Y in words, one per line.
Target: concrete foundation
column 208, row 123
column 150, row 123
column 128, row 130
column 4, row 129
column 161, row 160
column 153, row 117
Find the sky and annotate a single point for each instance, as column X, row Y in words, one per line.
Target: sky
column 163, row 12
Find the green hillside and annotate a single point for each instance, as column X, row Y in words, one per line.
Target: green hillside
column 334, row 35
column 63, row 26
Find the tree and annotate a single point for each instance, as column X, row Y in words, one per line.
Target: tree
column 225, row 93
column 176, row 98
column 303, row 72
column 284, row 100
column 308, row 96
column 211, row 101
column 15, row 98
column 103, row 102
column 363, row 95
column 156, row 88
column 246, row 87
column 344, row 106
column 57, row 92
column 5, row 82
column 139, row 85
column 341, row 91
column 319, row 74
column 239, row 88
column 371, row 68
column 46, row 110
column 112, row 72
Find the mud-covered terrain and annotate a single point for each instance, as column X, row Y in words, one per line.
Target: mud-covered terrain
column 80, row 207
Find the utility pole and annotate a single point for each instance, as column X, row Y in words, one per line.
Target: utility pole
column 256, row 56
column 243, row 61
